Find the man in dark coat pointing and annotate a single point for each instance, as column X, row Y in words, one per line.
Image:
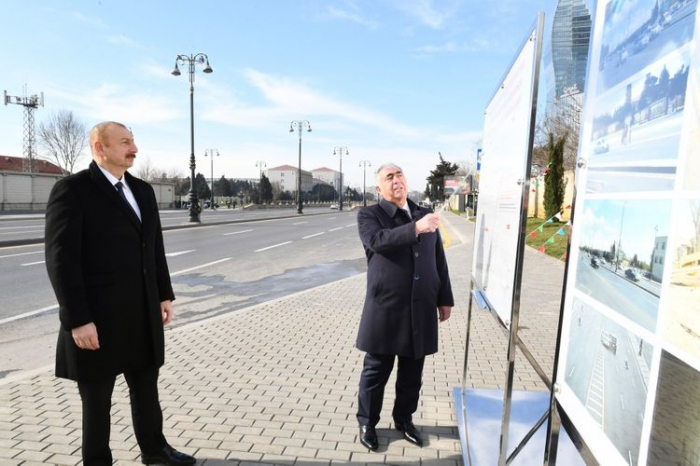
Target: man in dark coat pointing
column 106, row 262
column 408, row 291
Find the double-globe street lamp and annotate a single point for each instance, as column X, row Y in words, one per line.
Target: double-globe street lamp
column 191, row 61
column 364, row 164
column 211, row 153
column 339, row 151
column 260, row 164
column 300, row 126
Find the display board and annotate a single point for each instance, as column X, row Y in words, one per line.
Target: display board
column 504, row 169
column 628, row 372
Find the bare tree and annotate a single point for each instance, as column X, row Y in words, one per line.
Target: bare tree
column 64, row 137
column 564, row 118
column 146, row 170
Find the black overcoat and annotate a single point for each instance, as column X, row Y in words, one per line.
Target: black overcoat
column 407, row 278
column 108, row 268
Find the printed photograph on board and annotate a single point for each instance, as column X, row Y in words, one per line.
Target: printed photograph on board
column 617, row 265
column 607, row 367
column 676, row 422
column 637, row 33
column 641, row 121
column 681, row 326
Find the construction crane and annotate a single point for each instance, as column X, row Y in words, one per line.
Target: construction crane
column 30, row 104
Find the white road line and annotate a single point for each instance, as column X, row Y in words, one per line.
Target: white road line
column 22, row 254
column 180, row 272
column 179, row 253
column 55, row 306
column 336, row 229
column 18, row 232
column 299, row 223
column 29, row 314
column 315, row 234
column 332, row 218
column 273, row 246
column 572, row 371
column 32, row 263
column 237, row 232
column 20, row 227
column 351, row 225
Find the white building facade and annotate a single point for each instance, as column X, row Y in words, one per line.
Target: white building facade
column 286, row 178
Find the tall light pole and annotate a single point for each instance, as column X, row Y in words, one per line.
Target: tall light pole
column 261, row 164
column 364, row 164
column 300, row 126
column 339, row 151
column 211, row 153
column 191, row 61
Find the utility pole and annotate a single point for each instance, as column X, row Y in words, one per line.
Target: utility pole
column 260, row 164
column 30, row 104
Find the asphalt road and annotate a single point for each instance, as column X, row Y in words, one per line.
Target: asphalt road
column 635, row 302
column 31, row 226
column 215, row 269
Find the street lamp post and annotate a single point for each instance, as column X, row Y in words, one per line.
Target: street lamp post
column 261, row 164
column 364, row 164
column 339, row 151
column 211, row 153
column 300, row 126
column 191, row 61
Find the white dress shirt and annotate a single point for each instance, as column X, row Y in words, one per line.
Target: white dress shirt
column 127, row 192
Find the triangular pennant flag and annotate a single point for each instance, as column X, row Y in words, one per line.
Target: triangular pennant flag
column 549, row 221
column 569, row 206
column 561, row 232
column 564, row 256
column 541, row 248
column 550, row 240
column 540, row 228
column 532, row 235
column 568, row 224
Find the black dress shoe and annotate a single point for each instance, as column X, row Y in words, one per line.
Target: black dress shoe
column 410, row 432
column 168, row 455
column 368, row 437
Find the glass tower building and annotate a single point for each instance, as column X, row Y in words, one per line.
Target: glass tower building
column 571, row 33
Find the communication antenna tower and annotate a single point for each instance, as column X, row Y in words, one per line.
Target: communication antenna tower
column 30, row 103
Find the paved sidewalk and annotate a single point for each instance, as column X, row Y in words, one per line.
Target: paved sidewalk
column 277, row 383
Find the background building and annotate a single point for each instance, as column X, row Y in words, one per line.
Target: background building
column 286, row 177
column 571, row 35
column 327, row 175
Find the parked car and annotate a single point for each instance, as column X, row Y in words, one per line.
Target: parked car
column 601, row 146
column 334, row 206
column 631, row 274
column 594, row 262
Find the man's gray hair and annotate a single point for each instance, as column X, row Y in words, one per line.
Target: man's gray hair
column 386, row 165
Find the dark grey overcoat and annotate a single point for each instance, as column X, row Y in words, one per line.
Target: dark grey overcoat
column 108, row 268
column 407, row 278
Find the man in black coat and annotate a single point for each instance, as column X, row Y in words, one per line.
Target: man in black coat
column 106, row 261
column 408, row 291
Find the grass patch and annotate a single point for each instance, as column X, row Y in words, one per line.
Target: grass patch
column 555, row 249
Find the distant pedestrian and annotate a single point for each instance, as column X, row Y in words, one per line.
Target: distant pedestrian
column 408, row 291
column 106, row 261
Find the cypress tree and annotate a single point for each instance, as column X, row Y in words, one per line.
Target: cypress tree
column 554, row 176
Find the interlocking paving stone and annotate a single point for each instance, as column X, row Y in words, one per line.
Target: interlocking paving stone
column 277, row 383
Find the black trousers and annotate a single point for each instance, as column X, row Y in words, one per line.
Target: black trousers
column 375, row 374
column 146, row 415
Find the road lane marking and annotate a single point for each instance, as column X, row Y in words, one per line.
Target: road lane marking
column 22, row 254
column 351, row 225
column 179, row 253
column 572, row 371
column 32, row 263
column 335, row 229
column 20, row 227
column 273, row 246
column 315, row 234
column 55, row 306
column 29, row 314
column 237, row 232
column 18, row 232
column 332, row 218
column 180, row 272
column 299, row 223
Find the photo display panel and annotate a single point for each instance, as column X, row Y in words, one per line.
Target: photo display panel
column 630, row 351
column 503, row 170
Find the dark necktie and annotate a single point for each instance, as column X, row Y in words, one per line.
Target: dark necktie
column 120, row 188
